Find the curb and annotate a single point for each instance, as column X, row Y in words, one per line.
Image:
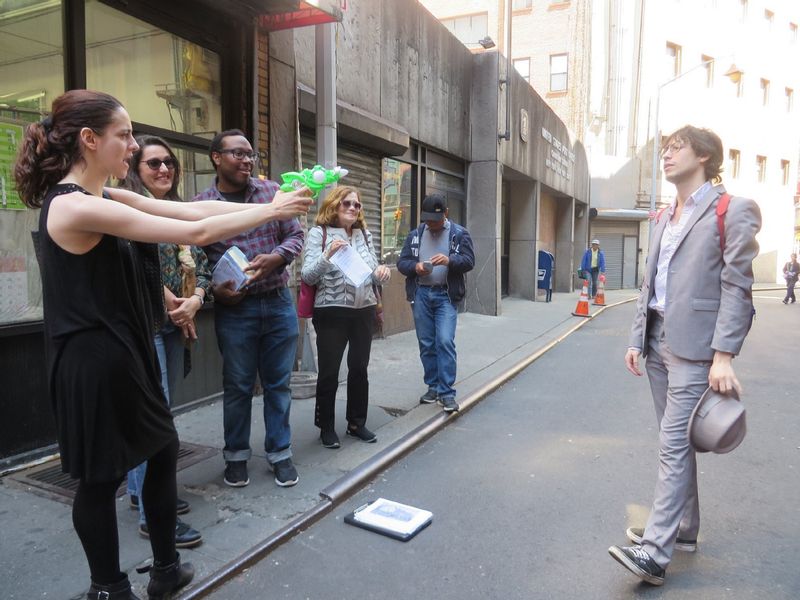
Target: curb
column 348, row 484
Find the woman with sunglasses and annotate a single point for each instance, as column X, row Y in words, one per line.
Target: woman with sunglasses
column 344, row 314
column 155, row 172
column 102, row 297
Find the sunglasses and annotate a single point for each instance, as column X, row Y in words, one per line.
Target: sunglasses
column 348, row 204
column 155, row 163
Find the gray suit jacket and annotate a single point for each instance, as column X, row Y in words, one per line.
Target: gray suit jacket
column 709, row 296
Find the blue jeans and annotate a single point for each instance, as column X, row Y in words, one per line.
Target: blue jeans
column 591, row 275
column 258, row 335
column 169, row 348
column 435, row 319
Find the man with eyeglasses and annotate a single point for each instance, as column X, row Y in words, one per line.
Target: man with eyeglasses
column 693, row 313
column 257, row 326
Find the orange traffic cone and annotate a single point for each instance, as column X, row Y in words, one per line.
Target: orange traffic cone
column 600, row 297
column 582, row 309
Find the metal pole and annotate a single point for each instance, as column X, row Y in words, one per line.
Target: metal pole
column 325, row 49
column 654, row 172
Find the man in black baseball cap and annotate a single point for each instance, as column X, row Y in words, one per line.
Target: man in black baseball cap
column 434, row 259
column 434, row 208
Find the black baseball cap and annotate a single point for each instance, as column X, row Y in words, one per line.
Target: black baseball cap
column 433, row 208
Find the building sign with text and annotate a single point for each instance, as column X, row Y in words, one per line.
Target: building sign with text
column 559, row 158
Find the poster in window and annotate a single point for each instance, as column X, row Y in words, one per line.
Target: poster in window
column 10, row 139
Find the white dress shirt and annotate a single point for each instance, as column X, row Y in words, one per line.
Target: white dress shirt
column 669, row 242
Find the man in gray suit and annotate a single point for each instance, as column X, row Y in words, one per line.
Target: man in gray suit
column 693, row 313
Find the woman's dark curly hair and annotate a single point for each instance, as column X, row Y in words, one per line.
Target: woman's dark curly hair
column 133, row 181
column 52, row 146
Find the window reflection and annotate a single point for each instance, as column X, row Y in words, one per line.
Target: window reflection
column 32, row 75
column 396, row 203
column 450, row 187
column 162, row 80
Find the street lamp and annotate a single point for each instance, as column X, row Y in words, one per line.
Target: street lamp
column 733, row 73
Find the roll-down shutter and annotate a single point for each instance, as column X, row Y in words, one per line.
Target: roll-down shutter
column 611, row 245
column 364, row 175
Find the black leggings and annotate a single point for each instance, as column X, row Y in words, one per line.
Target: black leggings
column 94, row 516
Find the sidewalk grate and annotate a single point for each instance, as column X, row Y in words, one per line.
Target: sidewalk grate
column 47, row 479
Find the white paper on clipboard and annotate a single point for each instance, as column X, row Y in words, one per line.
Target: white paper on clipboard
column 352, row 265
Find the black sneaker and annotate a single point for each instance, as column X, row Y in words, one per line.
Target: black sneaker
column 329, row 438
column 635, row 535
column 285, row 473
column 448, row 404
column 181, row 506
column 362, row 433
column 428, row 397
column 638, row 562
column 236, row 473
column 185, row 536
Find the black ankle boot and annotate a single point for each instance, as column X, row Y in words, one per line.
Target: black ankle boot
column 168, row 579
column 115, row 591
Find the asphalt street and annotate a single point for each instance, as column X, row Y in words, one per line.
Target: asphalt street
column 530, row 488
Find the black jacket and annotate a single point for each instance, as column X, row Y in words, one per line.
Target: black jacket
column 791, row 270
column 462, row 260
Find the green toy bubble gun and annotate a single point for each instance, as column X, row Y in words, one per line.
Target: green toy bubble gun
column 316, row 179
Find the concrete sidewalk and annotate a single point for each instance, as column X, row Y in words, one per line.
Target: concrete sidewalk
column 40, row 555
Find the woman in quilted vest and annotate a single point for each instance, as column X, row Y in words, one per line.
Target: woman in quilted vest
column 344, row 310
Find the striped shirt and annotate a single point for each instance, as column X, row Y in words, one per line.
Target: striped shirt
column 278, row 237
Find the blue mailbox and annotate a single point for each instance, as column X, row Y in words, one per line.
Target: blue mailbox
column 547, row 264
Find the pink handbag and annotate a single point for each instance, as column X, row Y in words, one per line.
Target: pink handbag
column 305, row 300
column 308, row 293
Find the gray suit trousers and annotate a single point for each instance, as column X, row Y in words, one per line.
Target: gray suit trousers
column 677, row 385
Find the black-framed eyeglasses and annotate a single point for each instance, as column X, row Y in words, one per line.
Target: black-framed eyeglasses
column 155, row 163
column 240, row 154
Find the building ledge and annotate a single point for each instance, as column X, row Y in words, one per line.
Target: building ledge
column 357, row 125
column 621, row 214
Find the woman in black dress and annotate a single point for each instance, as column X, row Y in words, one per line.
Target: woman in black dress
column 102, row 302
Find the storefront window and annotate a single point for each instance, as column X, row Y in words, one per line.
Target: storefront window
column 453, row 189
column 396, row 208
column 162, row 80
column 197, row 172
column 32, row 75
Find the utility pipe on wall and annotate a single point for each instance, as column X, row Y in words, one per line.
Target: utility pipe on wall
column 507, row 81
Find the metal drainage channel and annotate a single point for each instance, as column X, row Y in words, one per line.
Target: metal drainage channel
column 47, row 479
column 349, row 484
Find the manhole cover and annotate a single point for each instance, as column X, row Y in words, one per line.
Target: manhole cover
column 48, row 480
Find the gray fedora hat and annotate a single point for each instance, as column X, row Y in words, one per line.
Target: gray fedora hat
column 717, row 423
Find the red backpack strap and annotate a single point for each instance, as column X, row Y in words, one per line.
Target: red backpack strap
column 722, row 208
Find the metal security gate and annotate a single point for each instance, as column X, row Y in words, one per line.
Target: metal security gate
column 364, row 175
column 619, row 242
column 611, row 245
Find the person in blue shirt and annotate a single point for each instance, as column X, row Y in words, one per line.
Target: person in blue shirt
column 592, row 264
